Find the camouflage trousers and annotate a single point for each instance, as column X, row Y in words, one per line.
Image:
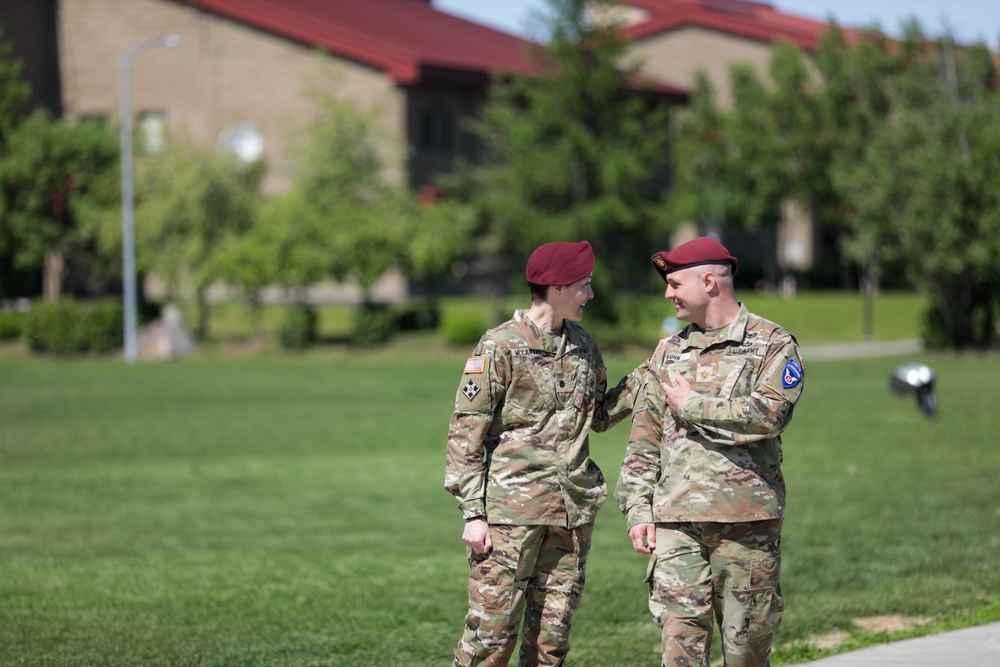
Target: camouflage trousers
column 728, row 571
column 532, row 571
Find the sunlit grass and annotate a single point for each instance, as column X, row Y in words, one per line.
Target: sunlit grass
column 290, row 511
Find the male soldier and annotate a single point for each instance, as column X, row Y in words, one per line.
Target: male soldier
column 701, row 483
column 518, row 463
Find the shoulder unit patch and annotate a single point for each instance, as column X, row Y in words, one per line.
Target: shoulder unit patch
column 792, row 374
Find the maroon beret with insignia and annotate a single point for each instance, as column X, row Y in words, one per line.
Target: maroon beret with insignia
column 702, row 250
column 560, row 263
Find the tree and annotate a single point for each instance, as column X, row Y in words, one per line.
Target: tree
column 702, row 190
column 857, row 103
column 192, row 206
column 735, row 168
column 58, row 179
column 14, row 91
column 358, row 219
column 576, row 150
column 911, row 129
column 896, row 147
column 924, row 191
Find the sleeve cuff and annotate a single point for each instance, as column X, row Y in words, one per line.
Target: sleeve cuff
column 472, row 509
column 639, row 515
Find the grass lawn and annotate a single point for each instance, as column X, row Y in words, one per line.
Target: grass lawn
column 289, row 511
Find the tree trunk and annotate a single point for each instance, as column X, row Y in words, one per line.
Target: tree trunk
column 202, row 305
column 869, row 288
column 52, row 276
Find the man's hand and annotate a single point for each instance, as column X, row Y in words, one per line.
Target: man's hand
column 477, row 536
column 643, row 537
column 676, row 393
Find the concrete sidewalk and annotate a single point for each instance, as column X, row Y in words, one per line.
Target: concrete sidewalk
column 889, row 348
column 969, row 647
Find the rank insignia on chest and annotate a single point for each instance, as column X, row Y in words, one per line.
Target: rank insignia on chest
column 475, row 365
column 704, row 374
column 470, row 389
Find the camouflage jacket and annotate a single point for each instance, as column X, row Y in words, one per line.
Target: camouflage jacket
column 720, row 458
column 518, row 451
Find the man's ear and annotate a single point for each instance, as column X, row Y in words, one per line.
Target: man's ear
column 709, row 281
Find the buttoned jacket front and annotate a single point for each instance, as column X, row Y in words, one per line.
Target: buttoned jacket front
column 720, row 458
column 518, row 448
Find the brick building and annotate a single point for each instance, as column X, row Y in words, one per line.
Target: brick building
column 245, row 64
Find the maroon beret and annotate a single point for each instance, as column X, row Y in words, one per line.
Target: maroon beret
column 702, row 250
column 560, row 263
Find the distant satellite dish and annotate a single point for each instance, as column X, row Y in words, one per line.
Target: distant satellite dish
column 242, row 141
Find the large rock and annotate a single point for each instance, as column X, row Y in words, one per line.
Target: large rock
column 167, row 337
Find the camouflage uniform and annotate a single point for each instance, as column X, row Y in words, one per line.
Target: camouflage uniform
column 518, row 456
column 710, row 479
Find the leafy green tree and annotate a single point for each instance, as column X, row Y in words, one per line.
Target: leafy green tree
column 857, row 102
column 57, row 182
column 894, row 146
column 924, row 190
column 193, row 205
column 346, row 217
column 702, row 190
column 905, row 167
column 358, row 219
column 576, row 150
column 735, row 167
column 14, row 90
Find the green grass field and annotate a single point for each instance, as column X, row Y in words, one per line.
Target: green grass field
column 289, row 511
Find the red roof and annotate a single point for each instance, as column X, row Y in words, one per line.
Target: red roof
column 744, row 18
column 408, row 39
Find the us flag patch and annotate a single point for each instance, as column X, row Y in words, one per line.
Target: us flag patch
column 474, row 365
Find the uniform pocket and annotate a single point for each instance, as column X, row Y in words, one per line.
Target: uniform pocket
column 737, row 383
column 764, row 604
column 650, row 568
column 491, row 584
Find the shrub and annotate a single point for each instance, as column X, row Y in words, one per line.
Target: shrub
column 298, row 327
column 102, row 325
column 463, row 329
column 422, row 316
column 934, row 332
column 11, row 325
column 55, row 327
column 374, row 324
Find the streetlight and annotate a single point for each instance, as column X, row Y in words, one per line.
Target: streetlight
column 128, row 197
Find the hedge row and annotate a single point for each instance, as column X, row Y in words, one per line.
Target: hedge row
column 66, row 328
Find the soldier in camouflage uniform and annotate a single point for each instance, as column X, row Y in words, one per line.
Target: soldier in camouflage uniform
column 701, row 483
column 518, row 463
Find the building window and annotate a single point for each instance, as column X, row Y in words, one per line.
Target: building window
column 437, row 130
column 153, row 132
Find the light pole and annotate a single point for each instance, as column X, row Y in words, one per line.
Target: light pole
column 128, row 196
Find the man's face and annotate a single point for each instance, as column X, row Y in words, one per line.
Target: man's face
column 568, row 300
column 687, row 289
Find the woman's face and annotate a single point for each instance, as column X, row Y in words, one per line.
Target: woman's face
column 568, row 300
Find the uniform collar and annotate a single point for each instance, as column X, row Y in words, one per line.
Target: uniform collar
column 694, row 336
column 563, row 341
